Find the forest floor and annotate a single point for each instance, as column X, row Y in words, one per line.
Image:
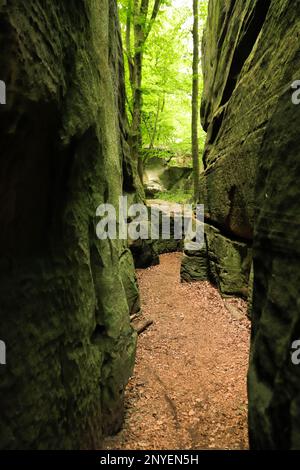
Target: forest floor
column 189, row 386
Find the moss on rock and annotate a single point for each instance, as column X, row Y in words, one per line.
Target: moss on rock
column 65, row 295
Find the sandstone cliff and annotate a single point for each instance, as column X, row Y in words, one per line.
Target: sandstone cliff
column 65, row 296
column 251, row 58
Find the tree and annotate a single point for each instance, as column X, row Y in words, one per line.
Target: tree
column 167, row 82
column 139, row 23
column 195, row 101
column 166, row 85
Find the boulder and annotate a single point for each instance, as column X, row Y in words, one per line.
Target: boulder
column 146, row 252
column 224, row 262
column 161, row 176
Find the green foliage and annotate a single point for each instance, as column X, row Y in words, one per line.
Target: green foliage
column 167, row 77
column 173, row 158
column 178, row 195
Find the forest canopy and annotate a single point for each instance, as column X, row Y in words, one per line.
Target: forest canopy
column 158, row 34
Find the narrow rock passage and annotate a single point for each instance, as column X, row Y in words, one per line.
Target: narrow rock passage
column 189, row 386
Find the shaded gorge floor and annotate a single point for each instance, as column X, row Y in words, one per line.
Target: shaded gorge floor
column 189, row 386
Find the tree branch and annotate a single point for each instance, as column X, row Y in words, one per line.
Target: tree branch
column 155, row 12
column 128, row 40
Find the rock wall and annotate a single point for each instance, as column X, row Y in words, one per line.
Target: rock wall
column 251, row 189
column 242, row 76
column 274, row 380
column 222, row 261
column 65, row 296
column 232, row 114
column 164, row 216
column 160, row 176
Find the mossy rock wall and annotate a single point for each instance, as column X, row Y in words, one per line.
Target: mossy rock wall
column 243, row 77
column 251, row 189
column 160, row 176
column 65, row 296
column 274, row 380
column 224, row 262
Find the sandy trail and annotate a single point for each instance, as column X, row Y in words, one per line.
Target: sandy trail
column 189, row 385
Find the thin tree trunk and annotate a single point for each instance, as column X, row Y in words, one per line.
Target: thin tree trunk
column 195, row 101
column 140, row 25
column 136, row 131
column 137, row 18
column 154, row 133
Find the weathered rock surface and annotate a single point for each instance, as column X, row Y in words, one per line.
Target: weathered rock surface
column 240, row 91
column 65, row 296
column 235, row 108
column 162, row 236
column 159, row 176
column 224, row 262
column 251, row 58
column 274, row 381
column 243, row 75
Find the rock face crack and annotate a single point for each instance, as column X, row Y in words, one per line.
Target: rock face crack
column 250, row 32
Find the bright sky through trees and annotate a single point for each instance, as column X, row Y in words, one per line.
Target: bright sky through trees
column 167, row 78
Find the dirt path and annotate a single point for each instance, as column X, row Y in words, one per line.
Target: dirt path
column 189, row 386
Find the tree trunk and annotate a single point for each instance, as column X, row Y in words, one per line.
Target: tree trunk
column 137, row 18
column 136, row 129
column 159, row 110
column 195, row 101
